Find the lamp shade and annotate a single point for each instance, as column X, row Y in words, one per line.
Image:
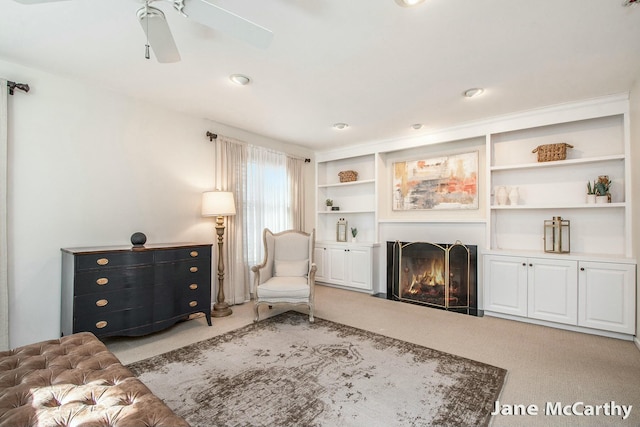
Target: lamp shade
column 218, row 203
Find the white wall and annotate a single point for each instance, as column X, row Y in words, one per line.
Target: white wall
column 90, row 167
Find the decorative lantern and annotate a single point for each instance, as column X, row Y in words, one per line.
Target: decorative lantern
column 341, row 230
column 557, row 235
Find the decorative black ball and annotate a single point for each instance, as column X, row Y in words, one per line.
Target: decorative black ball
column 138, row 239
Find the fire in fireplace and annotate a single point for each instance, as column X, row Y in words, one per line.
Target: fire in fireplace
column 433, row 274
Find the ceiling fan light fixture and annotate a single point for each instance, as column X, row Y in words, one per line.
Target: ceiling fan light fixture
column 240, row 79
column 417, row 126
column 340, row 126
column 409, row 3
column 473, row 92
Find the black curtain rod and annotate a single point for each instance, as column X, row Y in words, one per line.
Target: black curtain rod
column 213, row 136
column 13, row 86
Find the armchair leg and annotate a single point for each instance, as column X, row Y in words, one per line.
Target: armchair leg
column 255, row 309
column 311, row 319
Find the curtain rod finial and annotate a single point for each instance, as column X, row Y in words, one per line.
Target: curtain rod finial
column 211, row 136
column 13, row 85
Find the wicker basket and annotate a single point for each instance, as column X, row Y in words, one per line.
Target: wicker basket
column 348, row 176
column 551, row 152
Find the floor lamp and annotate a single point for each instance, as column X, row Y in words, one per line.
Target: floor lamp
column 219, row 204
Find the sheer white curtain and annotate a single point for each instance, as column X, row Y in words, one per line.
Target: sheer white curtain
column 295, row 176
column 231, row 176
column 4, row 285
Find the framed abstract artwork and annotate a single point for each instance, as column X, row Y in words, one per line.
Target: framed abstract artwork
column 445, row 182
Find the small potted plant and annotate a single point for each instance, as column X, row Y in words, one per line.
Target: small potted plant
column 601, row 188
column 591, row 193
column 354, row 233
column 329, row 204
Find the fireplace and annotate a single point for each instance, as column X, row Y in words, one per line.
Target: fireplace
column 439, row 275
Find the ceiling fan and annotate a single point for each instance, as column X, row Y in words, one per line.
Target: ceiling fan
column 159, row 36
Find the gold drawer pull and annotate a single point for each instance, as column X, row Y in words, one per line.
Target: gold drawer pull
column 102, row 261
column 193, row 269
column 101, row 324
column 102, row 281
column 193, row 286
column 193, row 303
column 102, row 302
column 193, row 254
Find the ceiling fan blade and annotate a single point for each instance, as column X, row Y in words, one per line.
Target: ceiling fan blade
column 159, row 35
column 227, row 22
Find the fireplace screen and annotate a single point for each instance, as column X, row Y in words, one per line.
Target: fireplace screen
column 432, row 274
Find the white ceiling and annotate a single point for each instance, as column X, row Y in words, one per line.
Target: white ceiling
column 370, row 63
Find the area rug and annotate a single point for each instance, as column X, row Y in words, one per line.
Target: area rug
column 284, row 371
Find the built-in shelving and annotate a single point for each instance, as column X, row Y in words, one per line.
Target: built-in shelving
column 599, row 132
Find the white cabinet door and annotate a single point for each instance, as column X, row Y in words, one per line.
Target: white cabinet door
column 505, row 284
column 553, row 290
column 607, row 295
column 345, row 265
column 319, row 257
column 359, row 263
column 337, row 261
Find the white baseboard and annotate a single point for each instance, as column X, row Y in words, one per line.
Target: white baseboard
column 617, row 335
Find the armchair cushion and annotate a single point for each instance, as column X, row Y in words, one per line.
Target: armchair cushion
column 284, row 289
column 291, row 268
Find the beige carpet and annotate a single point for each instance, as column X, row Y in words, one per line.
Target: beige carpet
column 544, row 364
column 284, row 371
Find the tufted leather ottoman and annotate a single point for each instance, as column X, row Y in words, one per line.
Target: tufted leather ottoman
column 75, row 381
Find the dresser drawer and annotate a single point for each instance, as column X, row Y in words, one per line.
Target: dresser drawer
column 102, row 260
column 107, row 323
column 104, row 302
column 188, row 271
column 106, row 280
column 194, row 252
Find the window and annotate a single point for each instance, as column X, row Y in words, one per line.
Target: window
column 267, row 200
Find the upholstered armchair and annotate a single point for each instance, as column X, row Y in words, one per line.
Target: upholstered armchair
column 288, row 273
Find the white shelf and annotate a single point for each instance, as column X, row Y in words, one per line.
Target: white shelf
column 556, row 206
column 344, row 212
column 347, row 184
column 556, row 163
column 600, row 257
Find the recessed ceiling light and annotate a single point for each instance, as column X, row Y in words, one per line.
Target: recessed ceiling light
column 240, row 79
column 408, row 3
column 341, row 126
column 471, row 93
column 417, row 126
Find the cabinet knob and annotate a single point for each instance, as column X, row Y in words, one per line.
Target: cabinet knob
column 193, row 303
column 102, row 261
column 524, row 264
column 102, row 281
column 102, row 302
column 193, row 286
column 193, row 254
column 193, row 269
column 530, row 265
column 101, row 324
column 581, row 268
